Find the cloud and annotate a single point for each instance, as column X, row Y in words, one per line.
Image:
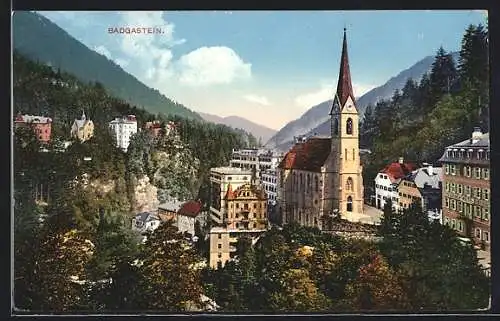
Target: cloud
column 483, row 12
column 122, row 62
column 151, row 52
column 261, row 100
column 326, row 92
column 212, row 65
column 154, row 60
column 316, row 97
column 103, row 51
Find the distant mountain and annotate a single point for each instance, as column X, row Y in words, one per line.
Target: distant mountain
column 39, row 39
column 257, row 130
column 316, row 120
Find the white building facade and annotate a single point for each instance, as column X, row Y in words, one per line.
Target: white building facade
column 259, row 160
column 386, row 189
column 123, row 128
column 387, row 181
column 220, row 177
column 269, row 179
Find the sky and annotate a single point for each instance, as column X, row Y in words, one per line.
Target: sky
column 266, row 66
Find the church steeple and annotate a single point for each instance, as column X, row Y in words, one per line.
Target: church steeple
column 344, row 86
column 83, row 115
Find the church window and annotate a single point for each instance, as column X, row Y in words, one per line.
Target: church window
column 316, row 184
column 349, row 184
column 308, row 183
column 349, row 204
column 353, row 154
column 336, row 126
column 300, row 181
column 349, row 126
column 345, row 156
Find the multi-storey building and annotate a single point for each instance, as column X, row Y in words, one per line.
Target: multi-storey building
column 258, row 160
column 269, row 179
column 466, row 193
column 123, row 128
column 82, row 129
column 324, row 175
column 387, row 181
column 41, row 126
column 246, row 214
column 220, row 178
column 423, row 186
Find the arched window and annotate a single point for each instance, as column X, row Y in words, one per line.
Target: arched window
column 349, row 204
column 301, row 182
column 348, row 185
column 349, row 126
column 353, row 154
column 345, row 156
column 308, row 183
column 294, row 182
column 336, row 126
column 316, row 184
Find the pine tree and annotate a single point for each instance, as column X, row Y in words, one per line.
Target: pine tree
column 443, row 75
column 389, row 220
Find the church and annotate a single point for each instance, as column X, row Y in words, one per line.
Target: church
column 320, row 177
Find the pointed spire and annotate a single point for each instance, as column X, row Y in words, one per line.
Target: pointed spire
column 83, row 115
column 344, row 86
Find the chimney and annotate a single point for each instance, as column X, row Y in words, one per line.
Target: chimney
column 401, row 160
column 476, row 134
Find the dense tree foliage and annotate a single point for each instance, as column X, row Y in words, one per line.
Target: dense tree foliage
column 419, row 265
column 88, row 190
column 442, row 109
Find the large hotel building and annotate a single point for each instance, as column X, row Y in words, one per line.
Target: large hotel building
column 466, row 182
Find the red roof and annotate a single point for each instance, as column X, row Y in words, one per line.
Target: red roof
column 191, row 208
column 398, row 170
column 308, row 156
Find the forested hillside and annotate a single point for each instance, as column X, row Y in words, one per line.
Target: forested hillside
column 66, row 247
column 442, row 109
column 37, row 37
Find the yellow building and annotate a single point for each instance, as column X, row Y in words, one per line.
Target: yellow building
column 246, row 208
column 82, row 129
column 246, row 214
column 323, row 175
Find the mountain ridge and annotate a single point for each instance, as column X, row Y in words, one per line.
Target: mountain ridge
column 283, row 139
column 36, row 36
column 257, row 130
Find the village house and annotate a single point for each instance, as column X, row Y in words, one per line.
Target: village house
column 168, row 211
column 422, row 186
column 153, row 127
column 187, row 216
column 321, row 176
column 145, row 222
column 387, row 182
column 41, row 126
column 82, row 129
column 123, row 128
